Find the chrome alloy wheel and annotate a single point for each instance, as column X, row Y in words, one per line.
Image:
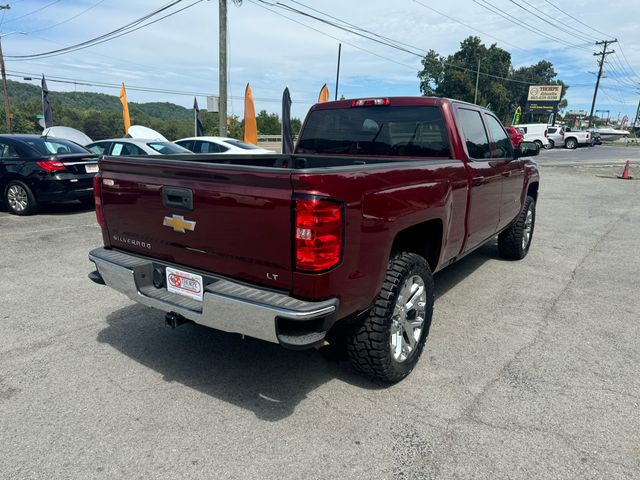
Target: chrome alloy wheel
column 17, row 198
column 528, row 228
column 408, row 318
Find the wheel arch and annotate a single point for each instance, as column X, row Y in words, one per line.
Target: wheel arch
column 424, row 239
column 5, row 179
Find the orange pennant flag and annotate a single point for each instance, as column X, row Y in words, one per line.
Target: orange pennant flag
column 125, row 109
column 324, row 94
column 250, row 125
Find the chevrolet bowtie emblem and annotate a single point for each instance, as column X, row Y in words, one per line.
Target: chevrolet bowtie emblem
column 179, row 224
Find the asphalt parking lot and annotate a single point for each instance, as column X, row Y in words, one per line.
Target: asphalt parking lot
column 531, row 369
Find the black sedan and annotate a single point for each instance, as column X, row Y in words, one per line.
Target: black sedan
column 36, row 170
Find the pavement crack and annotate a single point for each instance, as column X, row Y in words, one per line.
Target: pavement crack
column 470, row 410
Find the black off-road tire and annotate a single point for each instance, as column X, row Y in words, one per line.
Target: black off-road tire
column 31, row 201
column 510, row 241
column 369, row 342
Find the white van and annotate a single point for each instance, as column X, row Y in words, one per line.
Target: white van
column 535, row 132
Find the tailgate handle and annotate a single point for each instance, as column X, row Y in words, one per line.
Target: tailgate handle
column 177, row 198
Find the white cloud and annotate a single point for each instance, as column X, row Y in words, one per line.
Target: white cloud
column 181, row 52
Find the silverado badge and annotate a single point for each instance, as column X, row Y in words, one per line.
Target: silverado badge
column 179, row 224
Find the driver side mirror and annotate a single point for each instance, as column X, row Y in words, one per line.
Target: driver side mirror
column 527, row 149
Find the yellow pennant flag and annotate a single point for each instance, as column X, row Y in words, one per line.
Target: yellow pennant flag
column 250, row 125
column 324, row 94
column 125, row 109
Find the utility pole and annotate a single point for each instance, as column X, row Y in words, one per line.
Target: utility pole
column 222, row 104
column 5, row 88
column 5, row 92
column 635, row 119
column 602, row 56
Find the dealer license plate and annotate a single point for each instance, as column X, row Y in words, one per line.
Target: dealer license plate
column 184, row 283
column 91, row 168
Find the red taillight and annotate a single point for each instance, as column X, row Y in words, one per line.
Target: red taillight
column 51, row 165
column 370, row 102
column 318, row 234
column 97, row 197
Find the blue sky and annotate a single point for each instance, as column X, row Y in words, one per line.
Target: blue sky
column 180, row 52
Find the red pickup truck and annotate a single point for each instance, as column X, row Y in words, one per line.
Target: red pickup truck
column 334, row 243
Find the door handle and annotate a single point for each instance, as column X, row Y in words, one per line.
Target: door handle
column 175, row 198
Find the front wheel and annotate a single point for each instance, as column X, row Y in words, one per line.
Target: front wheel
column 19, row 198
column 514, row 242
column 388, row 343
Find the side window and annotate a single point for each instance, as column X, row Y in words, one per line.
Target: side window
column 7, row 151
column 475, row 135
column 98, row 148
column 188, row 144
column 504, row 148
column 126, row 149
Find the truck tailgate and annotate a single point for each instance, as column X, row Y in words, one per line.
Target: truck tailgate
column 239, row 223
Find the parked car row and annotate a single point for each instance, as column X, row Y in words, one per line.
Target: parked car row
column 547, row 136
column 36, row 170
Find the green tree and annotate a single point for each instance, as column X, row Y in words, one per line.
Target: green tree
column 454, row 76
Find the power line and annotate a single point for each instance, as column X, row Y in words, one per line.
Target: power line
column 412, row 67
column 494, row 9
column 627, row 61
column 117, row 86
column 124, row 30
column 553, row 23
column 91, row 7
column 392, row 43
column 468, row 26
column 33, row 11
column 574, row 18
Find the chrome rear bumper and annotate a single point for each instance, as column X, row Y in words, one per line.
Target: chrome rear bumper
column 226, row 305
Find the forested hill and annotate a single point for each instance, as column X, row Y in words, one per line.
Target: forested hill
column 25, row 92
column 100, row 115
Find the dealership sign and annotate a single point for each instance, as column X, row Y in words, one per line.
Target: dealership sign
column 544, row 98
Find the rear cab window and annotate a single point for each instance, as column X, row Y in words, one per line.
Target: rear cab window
column 394, row 131
column 474, row 134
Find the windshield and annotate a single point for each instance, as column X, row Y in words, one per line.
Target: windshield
column 53, row 146
column 242, row 145
column 167, row 147
column 376, row 130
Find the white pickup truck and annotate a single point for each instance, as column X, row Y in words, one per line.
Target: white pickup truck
column 564, row 136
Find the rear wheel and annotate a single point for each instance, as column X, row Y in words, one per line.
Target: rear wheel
column 551, row 144
column 19, row 198
column 515, row 241
column 571, row 143
column 389, row 342
column 539, row 143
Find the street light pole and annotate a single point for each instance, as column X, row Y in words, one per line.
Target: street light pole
column 475, row 97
